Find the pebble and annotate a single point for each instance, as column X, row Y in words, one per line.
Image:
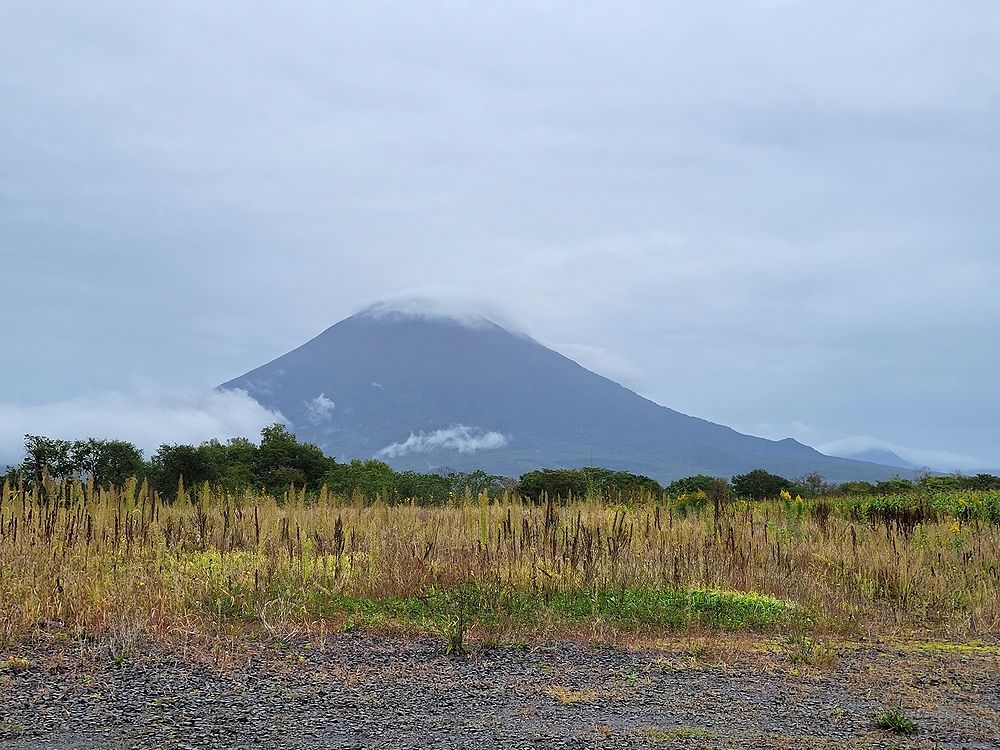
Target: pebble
column 366, row 691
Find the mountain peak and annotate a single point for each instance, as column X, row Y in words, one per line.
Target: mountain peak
column 441, row 305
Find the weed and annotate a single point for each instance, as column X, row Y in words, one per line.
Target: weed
column 894, row 720
column 454, row 634
column 122, row 641
column 457, row 607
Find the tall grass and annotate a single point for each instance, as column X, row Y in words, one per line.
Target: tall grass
column 104, row 560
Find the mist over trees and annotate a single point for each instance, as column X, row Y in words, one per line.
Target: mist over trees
column 280, row 463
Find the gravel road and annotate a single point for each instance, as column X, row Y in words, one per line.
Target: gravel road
column 358, row 690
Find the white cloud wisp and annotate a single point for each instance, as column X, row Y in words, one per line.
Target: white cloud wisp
column 457, row 438
column 320, row 409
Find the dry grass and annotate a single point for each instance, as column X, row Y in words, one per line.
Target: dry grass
column 122, row 565
column 567, row 696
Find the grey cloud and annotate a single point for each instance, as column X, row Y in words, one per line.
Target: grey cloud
column 435, row 301
column 777, row 211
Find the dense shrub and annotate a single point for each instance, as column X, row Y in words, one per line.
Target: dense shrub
column 700, row 482
column 759, row 485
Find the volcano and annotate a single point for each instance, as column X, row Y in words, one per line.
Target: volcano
column 437, row 392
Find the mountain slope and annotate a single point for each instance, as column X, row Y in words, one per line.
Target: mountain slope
column 422, row 393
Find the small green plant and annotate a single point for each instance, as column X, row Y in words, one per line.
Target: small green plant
column 456, row 608
column 454, row 633
column 894, row 720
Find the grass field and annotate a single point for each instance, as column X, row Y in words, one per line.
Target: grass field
column 121, row 565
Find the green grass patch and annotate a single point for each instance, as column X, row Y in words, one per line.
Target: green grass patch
column 434, row 608
column 673, row 608
column 972, row 648
column 896, row 721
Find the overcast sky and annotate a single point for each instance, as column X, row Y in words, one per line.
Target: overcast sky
column 782, row 216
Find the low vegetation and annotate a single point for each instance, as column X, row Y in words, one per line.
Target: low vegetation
column 122, row 562
column 659, row 735
column 279, row 462
column 896, row 721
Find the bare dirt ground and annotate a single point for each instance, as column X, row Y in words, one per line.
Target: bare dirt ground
column 365, row 690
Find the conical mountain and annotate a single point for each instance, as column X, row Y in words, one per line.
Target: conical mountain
column 431, row 392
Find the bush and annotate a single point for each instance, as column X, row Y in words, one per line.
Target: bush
column 759, row 485
column 711, row 486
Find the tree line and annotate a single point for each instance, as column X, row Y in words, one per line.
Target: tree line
column 280, row 462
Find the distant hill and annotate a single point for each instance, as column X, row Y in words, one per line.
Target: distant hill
column 879, row 456
column 424, row 392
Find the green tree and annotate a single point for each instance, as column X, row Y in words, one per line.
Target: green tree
column 195, row 464
column 476, row 482
column 690, row 485
column 240, row 459
column 984, row 482
column 552, row 483
column 759, row 485
column 616, row 485
column 813, row 485
column 282, row 460
column 430, row 489
column 45, row 456
column 370, row 479
column 112, row 462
